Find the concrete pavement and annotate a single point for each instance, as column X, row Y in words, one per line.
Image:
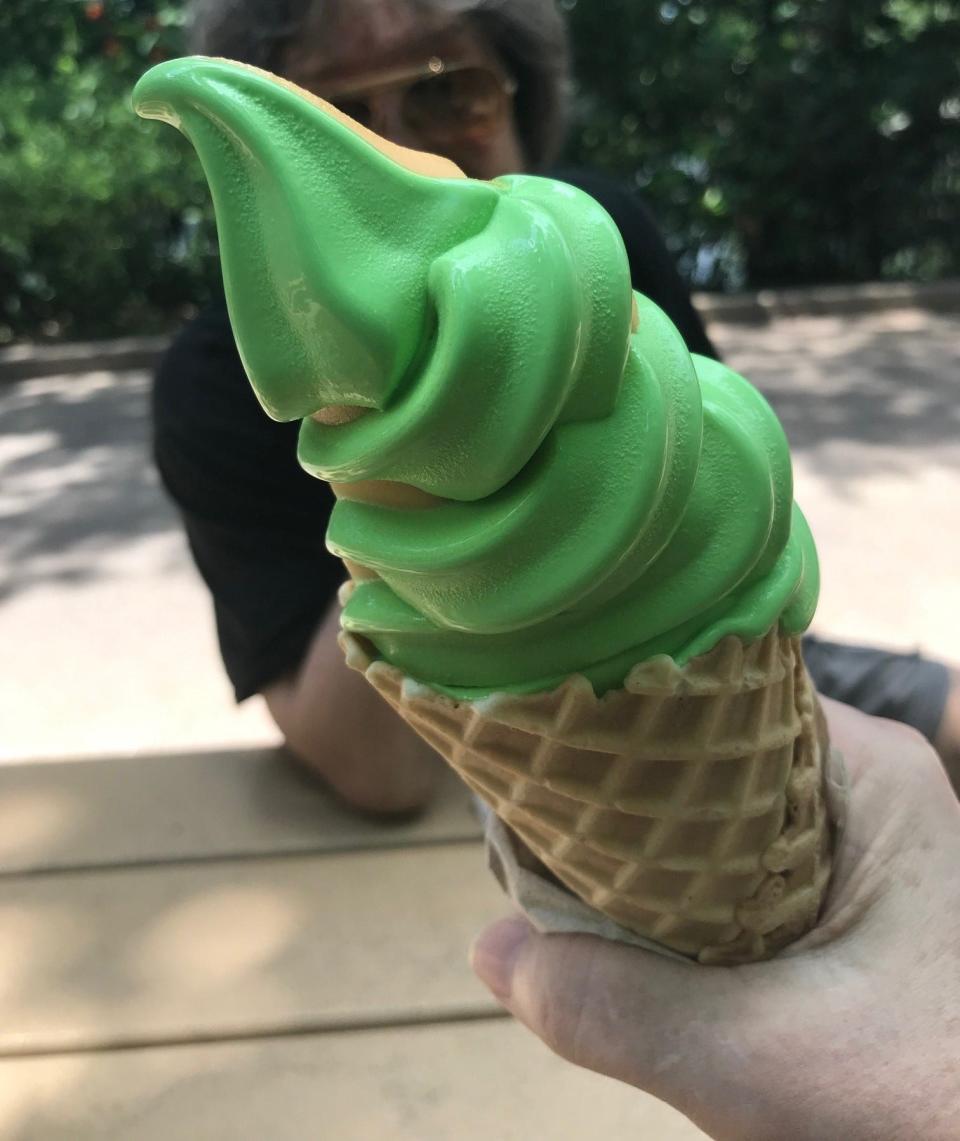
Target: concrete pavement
column 871, row 406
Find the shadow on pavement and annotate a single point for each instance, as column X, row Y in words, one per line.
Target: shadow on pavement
column 886, row 392
column 76, row 474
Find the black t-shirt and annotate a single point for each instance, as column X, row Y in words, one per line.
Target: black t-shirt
column 254, row 519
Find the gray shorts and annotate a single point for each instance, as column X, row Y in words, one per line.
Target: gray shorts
column 903, row 687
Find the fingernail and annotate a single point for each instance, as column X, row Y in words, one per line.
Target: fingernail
column 495, row 951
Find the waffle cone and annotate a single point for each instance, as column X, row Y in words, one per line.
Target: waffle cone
column 688, row 807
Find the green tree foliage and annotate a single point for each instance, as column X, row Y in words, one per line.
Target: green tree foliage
column 778, row 141
column 100, row 231
column 782, row 141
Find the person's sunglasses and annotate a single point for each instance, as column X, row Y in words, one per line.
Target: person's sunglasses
column 441, row 104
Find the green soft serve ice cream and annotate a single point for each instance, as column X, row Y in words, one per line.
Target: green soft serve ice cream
column 595, row 495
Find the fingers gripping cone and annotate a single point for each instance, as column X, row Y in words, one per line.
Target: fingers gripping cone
column 578, row 571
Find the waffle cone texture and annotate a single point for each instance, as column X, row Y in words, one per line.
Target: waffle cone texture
column 689, row 806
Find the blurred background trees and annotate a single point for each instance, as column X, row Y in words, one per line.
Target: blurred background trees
column 101, row 213
column 782, row 142
column 779, row 142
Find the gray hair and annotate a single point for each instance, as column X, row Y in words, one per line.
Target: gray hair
column 529, row 36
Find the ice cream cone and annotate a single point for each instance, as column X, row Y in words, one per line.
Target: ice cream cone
column 581, row 538
column 689, row 806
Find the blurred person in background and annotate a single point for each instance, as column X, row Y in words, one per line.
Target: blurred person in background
column 486, row 84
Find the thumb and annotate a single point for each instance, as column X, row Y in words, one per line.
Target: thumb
column 619, row 1010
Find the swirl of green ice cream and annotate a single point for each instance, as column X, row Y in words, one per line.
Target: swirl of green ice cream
column 604, row 497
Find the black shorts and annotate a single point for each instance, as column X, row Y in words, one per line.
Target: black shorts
column 903, row 687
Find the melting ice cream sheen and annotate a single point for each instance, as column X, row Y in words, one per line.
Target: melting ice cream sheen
column 606, row 496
